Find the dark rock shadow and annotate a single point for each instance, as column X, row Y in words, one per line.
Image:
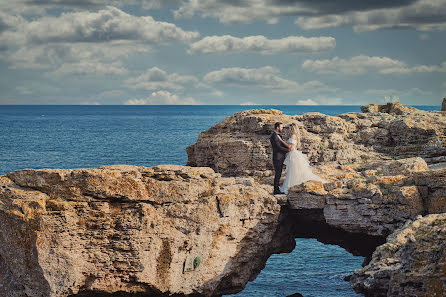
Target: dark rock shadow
column 311, row 224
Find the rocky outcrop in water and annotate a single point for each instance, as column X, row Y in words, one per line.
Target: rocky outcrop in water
column 377, row 165
column 159, row 230
column 239, row 145
column 411, row 263
column 187, row 231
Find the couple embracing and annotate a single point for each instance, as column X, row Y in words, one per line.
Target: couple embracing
column 298, row 169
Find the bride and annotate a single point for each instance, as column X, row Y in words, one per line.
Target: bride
column 298, row 169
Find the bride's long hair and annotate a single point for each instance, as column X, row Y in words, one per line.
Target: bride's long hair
column 294, row 130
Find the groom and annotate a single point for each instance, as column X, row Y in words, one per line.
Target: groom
column 279, row 154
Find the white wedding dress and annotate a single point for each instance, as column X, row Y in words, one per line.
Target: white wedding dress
column 298, row 169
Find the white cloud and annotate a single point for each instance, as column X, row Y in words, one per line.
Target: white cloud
column 162, row 98
column 363, row 64
column 356, row 65
column 232, row 12
column 416, row 69
column 90, row 68
column 248, row 103
column 97, row 38
column 424, row 36
column 156, row 79
column 270, row 11
column 260, row 44
column 265, row 77
column 103, row 26
column 36, row 7
column 55, row 55
column 395, row 92
column 423, row 15
column 306, row 102
column 361, row 15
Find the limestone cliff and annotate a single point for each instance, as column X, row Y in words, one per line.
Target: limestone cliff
column 377, row 165
column 411, row 263
column 159, row 230
column 239, row 145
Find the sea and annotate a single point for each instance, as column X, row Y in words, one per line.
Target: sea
column 85, row 136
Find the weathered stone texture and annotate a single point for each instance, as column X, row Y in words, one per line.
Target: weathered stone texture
column 168, row 229
column 411, row 263
column 240, row 145
column 373, row 199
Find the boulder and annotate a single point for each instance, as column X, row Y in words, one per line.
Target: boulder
column 411, row 263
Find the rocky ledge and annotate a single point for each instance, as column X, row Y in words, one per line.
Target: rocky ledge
column 239, row 145
column 166, row 230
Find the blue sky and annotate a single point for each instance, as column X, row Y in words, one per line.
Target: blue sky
column 222, row 52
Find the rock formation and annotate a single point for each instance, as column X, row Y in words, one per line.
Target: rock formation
column 165, row 229
column 199, row 231
column 239, row 145
column 376, row 162
column 443, row 105
column 390, row 108
column 411, row 263
column 370, row 200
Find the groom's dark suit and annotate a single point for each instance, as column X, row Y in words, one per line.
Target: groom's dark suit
column 279, row 154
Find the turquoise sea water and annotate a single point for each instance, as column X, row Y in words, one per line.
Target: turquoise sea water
column 91, row 136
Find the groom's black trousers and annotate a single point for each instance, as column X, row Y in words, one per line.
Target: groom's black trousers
column 278, row 166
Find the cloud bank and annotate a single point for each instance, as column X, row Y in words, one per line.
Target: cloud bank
column 76, row 41
column 364, row 64
column 156, row 79
column 262, row 78
column 361, row 15
column 162, row 98
column 262, row 45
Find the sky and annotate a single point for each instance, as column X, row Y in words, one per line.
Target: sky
column 305, row 52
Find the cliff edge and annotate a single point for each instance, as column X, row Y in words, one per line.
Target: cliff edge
column 165, row 230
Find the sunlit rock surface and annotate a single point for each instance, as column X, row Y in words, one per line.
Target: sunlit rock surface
column 411, row 263
column 239, row 145
column 166, row 229
column 376, row 163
